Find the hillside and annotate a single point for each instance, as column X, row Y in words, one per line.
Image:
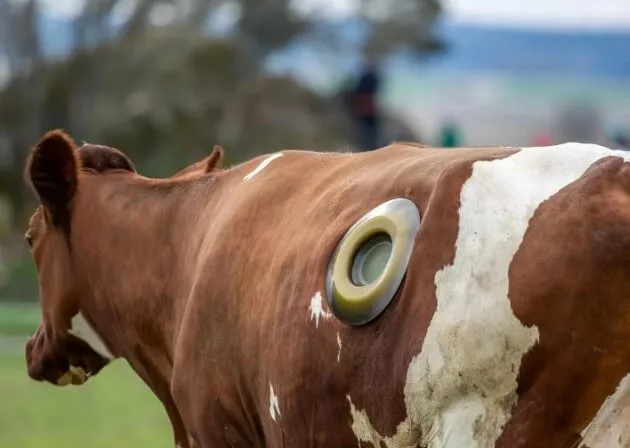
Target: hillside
column 471, row 49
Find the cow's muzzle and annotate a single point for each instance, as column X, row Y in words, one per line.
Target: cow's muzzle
column 61, row 363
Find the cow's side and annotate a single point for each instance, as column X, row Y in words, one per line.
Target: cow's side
column 306, row 378
column 509, row 329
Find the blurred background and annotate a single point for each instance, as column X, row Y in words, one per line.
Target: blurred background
column 166, row 80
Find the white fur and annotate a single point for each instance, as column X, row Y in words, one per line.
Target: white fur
column 262, row 165
column 461, row 388
column 80, row 328
column 274, row 405
column 317, row 310
column 611, row 426
column 339, row 344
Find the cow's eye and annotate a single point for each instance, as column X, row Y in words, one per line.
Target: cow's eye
column 370, row 261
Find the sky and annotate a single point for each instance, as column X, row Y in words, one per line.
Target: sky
column 543, row 13
column 580, row 14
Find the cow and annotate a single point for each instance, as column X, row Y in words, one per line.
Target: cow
column 404, row 297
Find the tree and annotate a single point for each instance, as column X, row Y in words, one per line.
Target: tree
column 141, row 75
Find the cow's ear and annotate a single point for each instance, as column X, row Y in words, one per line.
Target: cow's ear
column 52, row 170
column 215, row 159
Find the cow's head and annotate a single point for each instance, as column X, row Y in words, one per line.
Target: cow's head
column 53, row 170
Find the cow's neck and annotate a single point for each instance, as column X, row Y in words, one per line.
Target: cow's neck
column 134, row 251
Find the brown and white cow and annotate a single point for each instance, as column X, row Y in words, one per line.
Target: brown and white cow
column 511, row 327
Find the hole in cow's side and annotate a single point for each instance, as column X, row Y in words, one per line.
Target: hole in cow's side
column 370, row 259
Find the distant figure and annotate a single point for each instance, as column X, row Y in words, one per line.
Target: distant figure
column 450, row 134
column 542, row 139
column 621, row 139
column 364, row 109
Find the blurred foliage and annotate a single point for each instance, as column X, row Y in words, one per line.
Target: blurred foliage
column 165, row 105
column 156, row 84
column 19, row 282
column 401, row 23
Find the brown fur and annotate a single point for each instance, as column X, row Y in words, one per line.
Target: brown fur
column 54, row 187
column 104, row 158
column 581, row 310
column 214, row 162
column 203, row 282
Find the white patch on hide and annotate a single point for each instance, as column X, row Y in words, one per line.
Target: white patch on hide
column 80, row 328
column 274, row 405
column 262, row 165
column 361, row 425
column 339, row 344
column 317, row 309
column 611, row 426
column 461, row 387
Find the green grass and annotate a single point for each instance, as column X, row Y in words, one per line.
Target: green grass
column 114, row 409
column 18, row 319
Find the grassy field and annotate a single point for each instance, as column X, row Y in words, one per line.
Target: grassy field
column 115, row 409
column 17, row 319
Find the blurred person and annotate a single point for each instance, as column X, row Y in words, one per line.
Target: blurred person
column 620, row 139
column 542, row 139
column 449, row 134
column 365, row 112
